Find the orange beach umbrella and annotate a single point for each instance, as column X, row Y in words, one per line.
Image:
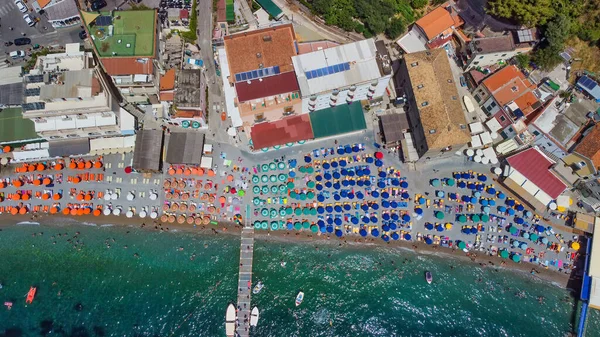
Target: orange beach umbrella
column 23, row 210
column 66, row 211
column 53, row 210
column 14, row 210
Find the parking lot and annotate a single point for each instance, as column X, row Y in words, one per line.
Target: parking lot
column 13, row 26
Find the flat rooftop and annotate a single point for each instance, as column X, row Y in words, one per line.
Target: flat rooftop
column 125, row 33
column 261, row 49
column 15, row 128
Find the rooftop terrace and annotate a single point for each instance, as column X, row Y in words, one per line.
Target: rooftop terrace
column 125, row 33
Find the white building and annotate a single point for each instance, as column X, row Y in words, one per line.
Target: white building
column 484, row 52
column 67, row 97
column 343, row 74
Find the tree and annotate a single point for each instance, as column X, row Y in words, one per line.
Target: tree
column 522, row 60
column 547, row 58
column 530, row 12
column 395, row 28
column 557, row 31
column 418, row 4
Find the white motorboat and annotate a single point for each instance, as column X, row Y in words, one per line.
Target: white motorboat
column 299, row 298
column 258, row 287
column 230, row 321
column 428, row 277
column 254, row 316
column 468, row 104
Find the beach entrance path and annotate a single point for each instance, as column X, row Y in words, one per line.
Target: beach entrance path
column 245, row 281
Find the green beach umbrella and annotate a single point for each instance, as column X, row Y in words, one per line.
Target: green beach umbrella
column 273, row 178
column 272, row 166
column 241, row 193
column 306, row 211
column 274, row 225
column 282, row 177
column 265, row 189
column 282, row 188
column 310, row 169
column 504, row 254
column 310, row 195
column 255, row 179
column 485, row 218
column 462, row 245
column 264, row 225
column 297, row 225
column 274, row 189
column 264, row 212
column 450, row 182
column 475, row 218
column 293, row 194
column 302, row 196
column 313, row 211
column 289, row 211
column 302, row 169
column 282, row 211
column 264, row 178
column 257, row 224
column 516, row 258
column 281, row 165
column 256, row 189
column 439, row 215
column 298, row 211
column 513, row 230
column 256, row 201
column 314, row 228
column 310, row 184
column 533, row 237
column 265, row 167
column 462, row 218
column 435, row 182
column 273, row 213
column 306, row 224
column 290, row 185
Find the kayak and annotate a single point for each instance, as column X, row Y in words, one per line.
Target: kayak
column 31, row 295
column 299, row 298
column 230, row 321
column 468, row 104
column 254, row 317
column 428, row 277
column 258, row 287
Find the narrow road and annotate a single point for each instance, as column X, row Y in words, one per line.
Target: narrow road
column 245, row 281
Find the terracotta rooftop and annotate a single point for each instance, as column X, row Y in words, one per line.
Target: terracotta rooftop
column 435, row 22
column 167, row 81
column 269, row 86
column 286, row 130
column 115, row 66
column 590, row 146
column 494, row 44
column 534, row 166
column 509, row 84
column 309, row 47
column 181, row 113
column 167, row 96
column 267, row 47
column 439, row 104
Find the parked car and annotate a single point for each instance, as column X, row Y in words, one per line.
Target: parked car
column 28, row 19
column 21, row 6
column 17, row 54
column 97, row 5
column 463, row 83
column 22, row 41
column 82, row 34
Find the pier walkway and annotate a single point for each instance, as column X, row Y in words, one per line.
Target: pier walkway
column 245, row 280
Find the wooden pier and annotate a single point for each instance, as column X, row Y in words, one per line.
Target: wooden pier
column 245, row 281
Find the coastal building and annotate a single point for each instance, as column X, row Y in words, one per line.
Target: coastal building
column 435, row 115
column 434, row 30
column 259, row 80
column 185, row 147
column 11, row 87
column 59, row 13
column 589, row 148
column 147, row 156
column 343, row 74
column 508, row 92
column 531, row 178
column 590, row 87
column 483, row 52
column 189, row 98
column 125, row 42
column 68, row 97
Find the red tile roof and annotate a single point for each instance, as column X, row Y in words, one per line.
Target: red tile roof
column 167, row 81
column 590, row 146
column 269, row 86
column 167, row 96
column 534, row 166
column 287, row 130
column 435, row 22
column 116, row 66
column 509, row 84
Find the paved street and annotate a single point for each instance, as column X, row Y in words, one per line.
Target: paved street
column 10, row 16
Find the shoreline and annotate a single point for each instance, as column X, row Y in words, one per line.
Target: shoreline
column 483, row 261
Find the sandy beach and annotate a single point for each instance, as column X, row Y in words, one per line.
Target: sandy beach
column 306, row 237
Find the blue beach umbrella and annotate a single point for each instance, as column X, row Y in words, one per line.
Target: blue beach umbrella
column 323, row 229
column 406, row 217
column 492, row 202
column 329, row 229
column 343, row 163
column 354, row 220
column 404, row 184
column 329, row 208
column 477, row 194
column 520, row 208
column 328, row 184
column 367, row 183
column 393, row 226
column 491, row 190
column 318, row 177
column 337, row 186
column 407, row 237
column 319, row 187
column 385, row 195
column 473, row 230
column 320, row 198
column 480, row 187
column 395, row 236
column 473, row 200
column 327, row 176
column 471, row 186
column 374, row 219
column 340, row 150
column 336, row 197
column 351, row 173
column 338, row 221
column 338, row 208
column 347, row 207
column 456, row 175
column 385, row 238
column 359, row 172
column 334, row 164
column 375, row 232
column 348, row 149
column 326, row 166
column 307, row 159
column 321, row 223
column 429, row 226
column 519, row 221
column 336, row 175
column 375, row 194
column 385, row 204
column 329, row 220
column 395, row 182
column 385, row 216
column 369, row 160
column 338, row 233
column 362, row 232
column 364, row 207
column 375, row 206
column 440, row 228
column 511, row 211
column 465, row 175
column 365, row 219
column 428, row 241
column 481, row 177
column 320, row 210
column 419, row 211
column 381, row 184
column 483, row 202
column 355, row 148
column 378, row 163
column 360, row 183
column 385, row 228
column 350, row 196
column 344, row 172
column 421, row 201
column 462, row 184
column 394, row 204
column 382, row 174
column 395, row 216
column 466, row 198
column 501, row 195
column 510, row 202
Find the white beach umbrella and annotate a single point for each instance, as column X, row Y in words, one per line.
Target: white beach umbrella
column 470, row 152
column 143, row 214
column 117, row 211
column 130, row 196
column 153, row 196
column 477, row 159
column 553, row 206
column 479, row 152
column 153, row 215
column 114, row 196
column 485, row 160
column 129, row 214
column 494, row 161
column 497, row 170
column 107, row 196
column 107, row 211
column 494, row 135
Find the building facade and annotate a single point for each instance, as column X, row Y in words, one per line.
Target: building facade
column 484, row 52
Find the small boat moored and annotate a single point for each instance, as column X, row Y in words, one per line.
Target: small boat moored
column 299, row 298
column 30, row 295
column 258, row 287
column 428, row 277
column 254, row 316
column 230, row 320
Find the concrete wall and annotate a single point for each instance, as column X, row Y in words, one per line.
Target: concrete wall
column 484, row 60
column 414, row 120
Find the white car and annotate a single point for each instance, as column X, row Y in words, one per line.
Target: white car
column 21, row 6
column 28, row 19
column 17, row 54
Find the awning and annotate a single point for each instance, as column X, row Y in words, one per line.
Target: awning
column 71, row 147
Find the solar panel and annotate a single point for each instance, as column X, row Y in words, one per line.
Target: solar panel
column 336, row 68
column 238, row 77
column 326, row 71
column 33, row 106
column 35, row 78
column 276, row 69
column 104, row 20
column 243, row 76
column 260, row 73
column 347, row 66
column 308, row 75
column 254, row 74
column 32, row 92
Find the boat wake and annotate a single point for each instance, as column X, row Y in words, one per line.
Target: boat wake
column 28, row 223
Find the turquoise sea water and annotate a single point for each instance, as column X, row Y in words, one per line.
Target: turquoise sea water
column 88, row 289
